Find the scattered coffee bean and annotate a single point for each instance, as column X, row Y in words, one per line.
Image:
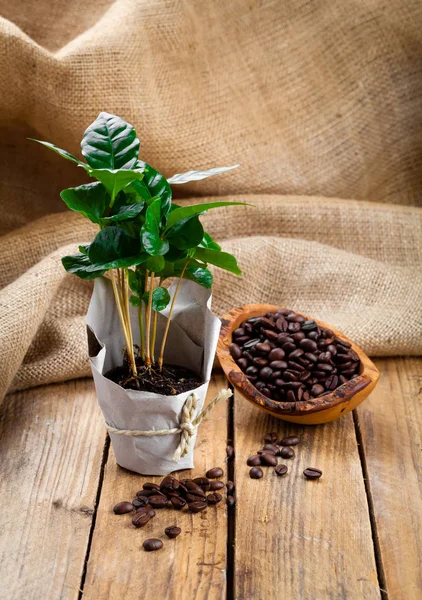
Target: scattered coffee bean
column 158, row 501
column 140, row 519
column 122, row 508
column 203, row 482
column 214, row 473
column 230, row 501
column 281, row 469
column 290, row 440
column 254, row 461
column 269, row 460
column 230, row 453
column 214, row 498
column 312, row 473
column 255, row 473
column 178, row 503
column 271, row 438
column 139, row 501
column 152, row 544
column 271, row 448
column 151, row 486
column 216, row 485
column 230, row 488
column 287, row 452
column 172, row 532
column 198, row 506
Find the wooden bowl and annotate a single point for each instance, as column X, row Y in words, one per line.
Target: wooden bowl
column 323, row 409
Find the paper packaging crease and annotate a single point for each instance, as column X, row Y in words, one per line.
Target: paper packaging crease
column 191, row 343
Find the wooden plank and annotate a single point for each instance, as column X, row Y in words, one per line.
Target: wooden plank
column 52, row 441
column 193, row 565
column 297, row 538
column 390, row 422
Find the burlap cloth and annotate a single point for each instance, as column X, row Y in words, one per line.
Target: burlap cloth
column 320, row 103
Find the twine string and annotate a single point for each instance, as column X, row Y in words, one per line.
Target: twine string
column 188, row 424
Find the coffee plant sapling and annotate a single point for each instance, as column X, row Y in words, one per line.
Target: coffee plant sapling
column 143, row 235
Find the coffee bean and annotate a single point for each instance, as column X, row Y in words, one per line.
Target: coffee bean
column 198, row 506
column 290, row 396
column 214, row 473
column 293, row 327
column 193, row 498
column 172, row 532
column 235, row 351
column 178, row 503
column 314, row 335
column 290, row 440
column 158, row 501
column 296, row 353
column 214, row 498
column 331, row 382
column 271, row 438
column 216, row 485
column 239, row 332
column 289, row 376
column 308, row 345
column 242, row 340
column 230, row 501
column 251, row 344
column 230, row 488
column 169, row 483
column 304, row 376
column 281, row 470
column 265, row 373
column 298, row 336
column 325, row 367
column 146, row 493
column 306, row 396
column 309, row 326
column 287, row 452
column 266, row 451
column 278, row 364
column 195, row 489
column 342, row 379
column 317, row 389
column 122, row 508
column 230, row 453
column 263, row 348
column 139, row 501
column 260, row 362
column 242, row 363
column 272, row 448
column 255, row 473
column 324, row 357
column 251, row 370
column 152, row 544
column 345, row 366
column 289, row 346
column 151, row 486
column 203, row 483
column 146, row 509
column 312, row 473
column 254, row 461
column 276, row 354
column 268, row 459
column 349, row 373
column 342, row 342
column 140, row 519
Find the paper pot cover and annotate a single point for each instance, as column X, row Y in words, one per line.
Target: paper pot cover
column 191, row 343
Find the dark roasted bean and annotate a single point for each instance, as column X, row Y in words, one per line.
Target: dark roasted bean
column 278, row 365
column 288, row 346
column 140, row 519
column 345, row 366
column 281, row 470
column 325, row 367
column 313, row 335
column 271, row 448
column 289, row 376
column 332, row 349
column 242, row 340
column 304, row 376
column 308, row 345
column 230, row 488
column 138, row 501
column 264, row 348
column 309, row 326
column 239, row 332
column 342, row 342
column 251, row 344
column 276, row 354
column 312, row 357
column 296, row 353
column 151, row 486
column 293, row 327
column 203, row 483
column 216, row 485
column 172, row 532
column 291, row 397
column 146, row 493
column 122, row 508
column 178, row 503
column 230, row 501
column 342, row 379
column 306, row 396
column 260, row 362
column 252, row 371
column 214, row 498
column 289, row 440
column 255, row 473
column 349, row 372
column 331, row 382
column 271, row 335
column 281, row 324
column 312, row 473
column 294, row 366
column 266, row 392
column 287, row 452
column 265, row 373
column 214, row 473
column 235, row 351
column 198, row 506
column 275, row 375
column 324, row 357
column 317, row 389
column 242, row 363
column 271, row 438
column 268, row 459
column 152, row 544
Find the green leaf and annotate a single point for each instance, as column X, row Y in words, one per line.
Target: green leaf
column 160, row 299
column 185, row 212
column 84, row 249
column 175, row 254
column 63, row 153
column 127, row 211
column 150, row 231
column 158, row 185
column 114, row 180
column 110, row 143
column 219, row 259
column 199, row 275
column 78, row 264
column 135, row 301
column 186, row 234
column 197, row 175
column 90, row 200
column 134, row 281
column 155, row 264
column 114, row 248
column 208, row 242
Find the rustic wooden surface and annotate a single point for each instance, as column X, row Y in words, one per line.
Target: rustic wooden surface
column 355, row 533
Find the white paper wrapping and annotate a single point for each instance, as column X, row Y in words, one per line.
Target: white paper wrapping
column 191, row 343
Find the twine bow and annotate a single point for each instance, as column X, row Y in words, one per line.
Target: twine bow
column 188, row 425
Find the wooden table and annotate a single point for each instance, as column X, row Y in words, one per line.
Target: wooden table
column 355, row 533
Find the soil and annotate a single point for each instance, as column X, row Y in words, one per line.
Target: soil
column 172, row 380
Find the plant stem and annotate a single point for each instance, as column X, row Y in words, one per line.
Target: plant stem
column 129, row 347
column 154, row 330
column 125, row 277
column 163, row 343
column 148, row 328
column 141, row 329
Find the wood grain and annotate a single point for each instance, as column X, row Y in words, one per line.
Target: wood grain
column 297, row 538
column 193, row 565
column 51, row 445
column 391, row 428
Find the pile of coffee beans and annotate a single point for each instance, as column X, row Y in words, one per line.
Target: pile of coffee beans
column 194, row 495
column 291, row 359
column 268, row 457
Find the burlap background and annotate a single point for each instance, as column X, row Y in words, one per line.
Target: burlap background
column 320, row 102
